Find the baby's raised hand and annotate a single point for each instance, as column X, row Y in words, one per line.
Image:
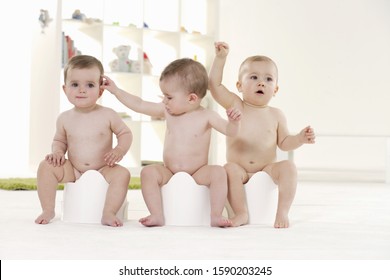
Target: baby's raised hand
column 56, row 159
column 307, row 135
column 233, row 114
column 221, row 49
column 109, row 84
column 114, row 156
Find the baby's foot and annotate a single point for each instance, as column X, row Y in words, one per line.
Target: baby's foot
column 152, row 221
column 220, row 221
column 110, row 219
column 240, row 220
column 45, row 217
column 281, row 221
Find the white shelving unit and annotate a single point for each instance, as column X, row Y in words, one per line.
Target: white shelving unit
column 163, row 30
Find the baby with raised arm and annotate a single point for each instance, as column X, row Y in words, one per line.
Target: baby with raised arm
column 184, row 83
column 263, row 129
column 85, row 134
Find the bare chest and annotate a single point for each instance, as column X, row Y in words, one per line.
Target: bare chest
column 187, row 128
column 258, row 127
column 88, row 131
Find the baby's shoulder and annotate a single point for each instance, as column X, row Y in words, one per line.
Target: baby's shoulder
column 275, row 110
column 65, row 114
column 106, row 111
column 277, row 113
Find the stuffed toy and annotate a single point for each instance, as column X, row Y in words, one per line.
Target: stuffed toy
column 122, row 63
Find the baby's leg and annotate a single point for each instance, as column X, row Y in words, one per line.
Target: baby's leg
column 215, row 178
column 48, row 178
column 237, row 176
column 153, row 177
column 284, row 174
column 118, row 179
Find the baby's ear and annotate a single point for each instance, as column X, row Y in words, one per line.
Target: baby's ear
column 101, row 89
column 192, row 97
column 238, row 85
column 276, row 90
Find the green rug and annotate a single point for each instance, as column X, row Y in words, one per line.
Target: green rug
column 27, row 184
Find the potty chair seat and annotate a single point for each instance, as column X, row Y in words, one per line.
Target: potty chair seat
column 83, row 200
column 185, row 203
column 262, row 198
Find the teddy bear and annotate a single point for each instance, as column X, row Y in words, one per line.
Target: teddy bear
column 122, row 63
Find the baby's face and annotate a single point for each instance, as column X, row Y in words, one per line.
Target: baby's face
column 258, row 82
column 82, row 87
column 176, row 98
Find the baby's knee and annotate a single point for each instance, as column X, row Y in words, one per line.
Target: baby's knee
column 219, row 173
column 48, row 168
column 44, row 165
column 289, row 166
column 124, row 173
column 231, row 167
column 148, row 171
column 118, row 174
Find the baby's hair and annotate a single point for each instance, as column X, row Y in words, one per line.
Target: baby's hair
column 82, row 62
column 192, row 74
column 255, row 58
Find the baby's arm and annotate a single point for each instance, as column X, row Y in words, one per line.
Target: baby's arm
column 219, row 92
column 292, row 142
column 59, row 145
column 124, row 139
column 230, row 127
column 289, row 142
column 133, row 102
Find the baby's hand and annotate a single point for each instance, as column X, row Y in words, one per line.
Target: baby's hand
column 114, row 156
column 233, row 114
column 221, row 49
column 307, row 135
column 56, row 159
column 109, row 84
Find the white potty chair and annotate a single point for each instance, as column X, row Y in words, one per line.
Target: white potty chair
column 83, row 200
column 262, row 198
column 185, row 203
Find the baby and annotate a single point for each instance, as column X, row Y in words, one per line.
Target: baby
column 263, row 129
column 85, row 133
column 184, row 83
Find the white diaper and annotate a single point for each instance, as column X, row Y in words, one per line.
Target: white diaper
column 83, row 201
column 185, row 203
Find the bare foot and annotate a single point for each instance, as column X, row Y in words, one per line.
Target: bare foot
column 220, row 221
column 109, row 219
column 45, row 217
column 281, row 221
column 152, row 221
column 240, row 220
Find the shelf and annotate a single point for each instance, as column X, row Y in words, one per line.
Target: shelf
column 184, row 29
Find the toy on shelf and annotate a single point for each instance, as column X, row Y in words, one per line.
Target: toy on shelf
column 44, row 19
column 147, row 65
column 123, row 63
column 78, row 15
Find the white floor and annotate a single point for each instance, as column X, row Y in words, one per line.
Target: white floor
column 329, row 221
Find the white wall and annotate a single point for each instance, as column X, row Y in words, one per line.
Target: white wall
column 30, row 91
column 45, row 81
column 15, row 91
column 333, row 58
